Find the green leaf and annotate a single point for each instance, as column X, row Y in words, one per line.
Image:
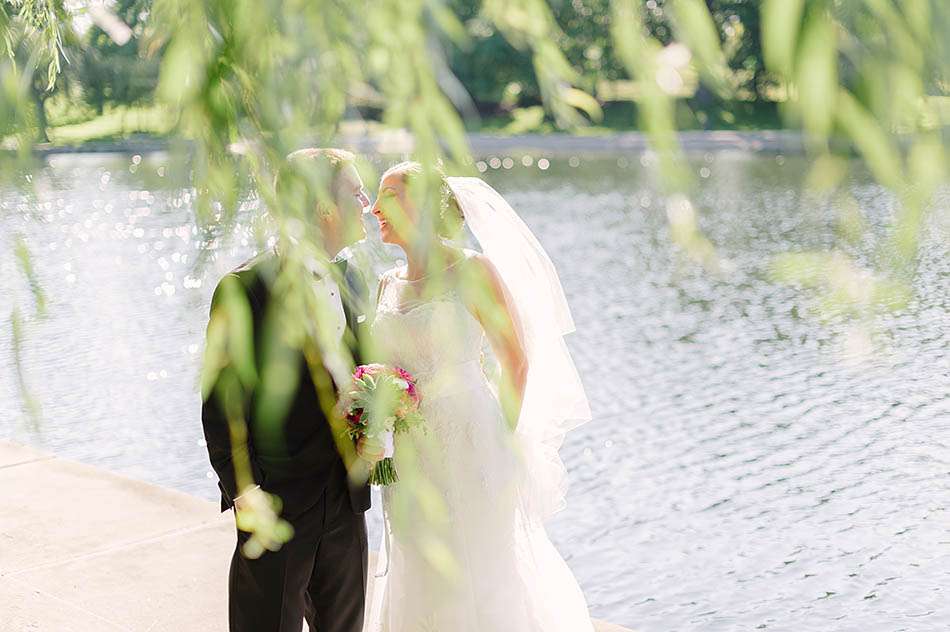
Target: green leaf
column 239, row 328
column 781, row 22
column 817, row 75
column 698, row 31
column 582, row 101
column 865, row 132
column 448, row 22
column 525, row 120
column 22, row 253
column 30, row 403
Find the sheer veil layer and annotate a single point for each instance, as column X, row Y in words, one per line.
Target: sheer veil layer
column 555, row 401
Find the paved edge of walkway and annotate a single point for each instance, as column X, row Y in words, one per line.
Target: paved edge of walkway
column 86, row 550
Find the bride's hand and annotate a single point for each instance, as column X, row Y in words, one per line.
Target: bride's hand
column 370, row 450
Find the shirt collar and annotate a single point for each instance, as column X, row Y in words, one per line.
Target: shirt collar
column 356, row 249
column 343, row 255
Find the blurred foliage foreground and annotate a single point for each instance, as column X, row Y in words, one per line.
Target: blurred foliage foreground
column 248, row 82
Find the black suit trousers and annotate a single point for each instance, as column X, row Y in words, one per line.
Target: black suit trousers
column 319, row 575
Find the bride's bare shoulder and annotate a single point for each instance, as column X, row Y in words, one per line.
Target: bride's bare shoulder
column 470, row 253
column 484, row 273
column 478, row 262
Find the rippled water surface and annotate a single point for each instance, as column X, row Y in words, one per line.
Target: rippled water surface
column 749, row 467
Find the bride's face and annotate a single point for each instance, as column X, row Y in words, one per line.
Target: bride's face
column 395, row 211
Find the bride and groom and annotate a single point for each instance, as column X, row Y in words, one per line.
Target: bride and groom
column 464, row 546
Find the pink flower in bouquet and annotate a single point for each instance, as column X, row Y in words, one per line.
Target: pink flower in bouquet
column 365, row 420
column 411, row 384
column 367, row 369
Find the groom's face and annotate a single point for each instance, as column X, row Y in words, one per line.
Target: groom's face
column 352, row 202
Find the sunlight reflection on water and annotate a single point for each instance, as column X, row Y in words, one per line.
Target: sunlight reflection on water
column 741, row 472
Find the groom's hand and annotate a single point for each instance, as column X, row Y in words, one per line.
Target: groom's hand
column 370, row 450
column 250, row 497
column 257, row 513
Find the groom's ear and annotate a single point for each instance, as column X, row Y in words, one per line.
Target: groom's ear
column 347, row 180
column 301, row 184
column 308, row 179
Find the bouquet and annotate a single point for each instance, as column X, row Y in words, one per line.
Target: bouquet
column 381, row 402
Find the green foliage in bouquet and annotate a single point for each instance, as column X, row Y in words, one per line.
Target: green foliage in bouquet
column 381, row 403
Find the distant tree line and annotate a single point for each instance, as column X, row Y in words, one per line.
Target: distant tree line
column 118, row 74
column 498, row 78
column 498, row 75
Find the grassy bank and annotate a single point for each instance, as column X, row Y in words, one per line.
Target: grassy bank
column 72, row 127
column 623, row 117
column 115, row 123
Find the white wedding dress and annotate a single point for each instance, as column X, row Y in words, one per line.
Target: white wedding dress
column 463, row 552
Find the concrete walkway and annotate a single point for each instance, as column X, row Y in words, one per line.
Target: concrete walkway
column 84, row 550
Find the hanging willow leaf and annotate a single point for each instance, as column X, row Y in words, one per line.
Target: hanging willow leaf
column 29, row 401
column 582, row 101
column 22, row 253
column 529, row 24
column 878, row 150
column 639, row 52
column 781, row 23
column 816, row 76
column 698, row 31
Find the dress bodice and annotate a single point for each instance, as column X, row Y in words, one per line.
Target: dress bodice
column 429, row 332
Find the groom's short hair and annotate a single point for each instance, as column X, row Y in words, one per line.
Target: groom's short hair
column 326, row 163
column 336, row 158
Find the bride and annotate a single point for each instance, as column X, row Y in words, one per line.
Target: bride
column 465, row 548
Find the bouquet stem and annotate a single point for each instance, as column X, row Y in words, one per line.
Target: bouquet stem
column 384, row 473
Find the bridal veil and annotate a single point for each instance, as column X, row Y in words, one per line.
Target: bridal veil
column 554, row 400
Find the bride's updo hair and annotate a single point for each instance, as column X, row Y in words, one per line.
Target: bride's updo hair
column 404, row 170
column 450, row 220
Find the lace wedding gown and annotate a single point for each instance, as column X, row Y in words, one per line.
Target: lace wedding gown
column 460, row 555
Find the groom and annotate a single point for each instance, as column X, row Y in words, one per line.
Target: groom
column 320, row 573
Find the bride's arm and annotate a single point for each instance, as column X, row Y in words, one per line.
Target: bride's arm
column 491, row 304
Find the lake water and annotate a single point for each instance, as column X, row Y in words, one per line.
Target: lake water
column 747, row 468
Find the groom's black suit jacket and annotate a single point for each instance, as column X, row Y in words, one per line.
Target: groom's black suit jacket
column 300, row 459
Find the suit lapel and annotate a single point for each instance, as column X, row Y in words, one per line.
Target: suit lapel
column 350, row 299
